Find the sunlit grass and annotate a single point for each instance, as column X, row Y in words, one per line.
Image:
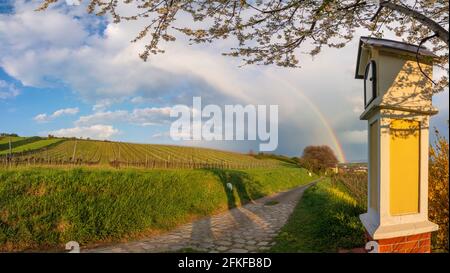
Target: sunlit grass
column 33, row 145
column 45, row 208
column 325, row 220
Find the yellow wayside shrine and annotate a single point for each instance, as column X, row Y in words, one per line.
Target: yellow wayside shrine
column 398, row 106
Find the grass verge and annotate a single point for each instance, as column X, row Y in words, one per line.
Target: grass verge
column 43, row 208
column 325, row 220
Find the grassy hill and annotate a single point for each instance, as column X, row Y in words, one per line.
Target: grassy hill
column 44, row 207
column 15, row 142
column 59, row 151
column 28, row 146
column 5, row 140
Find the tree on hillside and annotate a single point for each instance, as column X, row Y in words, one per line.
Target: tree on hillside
column 318, row 158
column 271, row 31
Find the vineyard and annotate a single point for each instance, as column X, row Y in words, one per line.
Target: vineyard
column 56, row 151
column 356, row 184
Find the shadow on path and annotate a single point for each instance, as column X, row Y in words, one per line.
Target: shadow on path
column 203, row 229
column 247, row 228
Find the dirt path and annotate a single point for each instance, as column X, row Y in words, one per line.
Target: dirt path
column 250, row 228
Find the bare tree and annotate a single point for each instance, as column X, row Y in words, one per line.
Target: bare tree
column 271, row 31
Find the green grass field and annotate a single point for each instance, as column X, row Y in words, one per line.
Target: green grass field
column 43, row 208
column 325, row 220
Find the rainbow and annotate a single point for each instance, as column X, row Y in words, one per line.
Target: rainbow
column 330, row 131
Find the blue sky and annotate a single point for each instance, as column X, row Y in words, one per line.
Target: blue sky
column 68, row 73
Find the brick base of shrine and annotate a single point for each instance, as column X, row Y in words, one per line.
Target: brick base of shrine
column 418, row 243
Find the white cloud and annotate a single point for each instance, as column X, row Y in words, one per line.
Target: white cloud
column 98, row 131
column 106, row 69
column 354, row 136
column 41, row 118
column 8, row 90
column 73, row 2
column 164, row 135
column 58, row 113
column 66, row 111
column 102, row 105
column 139, row 100
column 357, row 103
column 37, row 50
column 102, row 117
column 139, row 116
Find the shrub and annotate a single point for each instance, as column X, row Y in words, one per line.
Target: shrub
column 438, row 183
column 438, row 192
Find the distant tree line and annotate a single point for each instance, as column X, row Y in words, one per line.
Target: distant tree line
column 314, row 158
column 261, row 155
column 8, row 135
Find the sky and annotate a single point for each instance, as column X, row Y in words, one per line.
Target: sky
column 67, row 73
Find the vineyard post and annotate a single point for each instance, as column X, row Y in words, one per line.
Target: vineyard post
column 10, row 152
column 74, row 151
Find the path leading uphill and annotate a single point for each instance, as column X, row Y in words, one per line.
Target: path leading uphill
column 250, row 228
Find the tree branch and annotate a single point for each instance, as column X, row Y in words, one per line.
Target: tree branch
column 441, row 32
column 417, row 56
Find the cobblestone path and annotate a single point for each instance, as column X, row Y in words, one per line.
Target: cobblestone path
column 250, row 228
